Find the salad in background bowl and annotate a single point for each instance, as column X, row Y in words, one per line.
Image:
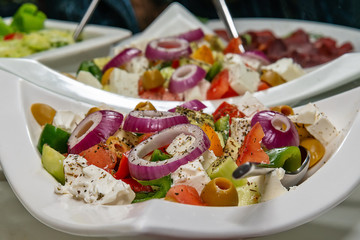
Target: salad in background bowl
column 73, row 216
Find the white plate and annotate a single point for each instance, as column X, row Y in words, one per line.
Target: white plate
column 177, row 19
column 34, row 187
column 97, row 41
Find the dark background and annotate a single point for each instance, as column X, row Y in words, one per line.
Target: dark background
column 135, row 15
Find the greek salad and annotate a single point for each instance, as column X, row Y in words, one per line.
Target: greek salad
column 184, row 155
column 26, row 34
column 193, row 65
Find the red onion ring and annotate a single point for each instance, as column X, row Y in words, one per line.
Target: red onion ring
column 192, row 105
column 93, row 129
column 123, row 57
column 152, row 121
column 167, row 49
column 192, row 35
column 273, row 124
column 185, row 77
column 145, row 170
column 258, row 55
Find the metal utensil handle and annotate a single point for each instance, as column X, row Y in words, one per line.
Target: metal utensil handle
column 85, row 19
column 224, row 14
column 250, row 169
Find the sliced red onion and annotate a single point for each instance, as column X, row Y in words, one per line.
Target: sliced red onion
column 93, row 129
column 279, row 130
column 123, row 57
column 145, row 170
column 152, row 121
column 192, row 35
column 192, row 105
column 185, row 77
column 258, row 55
column 167, row 49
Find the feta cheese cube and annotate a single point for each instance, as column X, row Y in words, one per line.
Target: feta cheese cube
column 272, row 187
column 137, row 65
column 323, row 130
column 249, row 105
column 307, row 114
column 241, row 77
column 239, row 128
column 66, row 120
column 286, row 68
column 180, row 145
column 232, row 148
column 191, row 174
column 124, row 83
column 88, row 79
column 207, row 159
column 197, row 92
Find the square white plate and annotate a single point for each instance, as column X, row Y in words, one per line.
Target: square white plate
column 34, row 187
column 97, row 41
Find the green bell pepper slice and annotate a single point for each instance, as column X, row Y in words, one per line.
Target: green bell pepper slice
column 288, row 158
column 222, row 125
column 158, row 155
column 4, row 28
column 28, row 18
column 91, row 67
column 213, row 71
column 163, row 185
column 55, row 137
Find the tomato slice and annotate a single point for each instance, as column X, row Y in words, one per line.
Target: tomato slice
column 123, row 169
column 100, row 156
column 13, row 36
column 136, row 186
column 184, row 194
column 227, row 109
column 251, row 150
column 263, row 86
column 233, row 46
column 219, row 85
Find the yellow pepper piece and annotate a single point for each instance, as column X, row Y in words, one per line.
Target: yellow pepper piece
column 204, row 54
column 152, row 79
column 215, row 143
column 272, row 78
column 315, row 148
column 106, row 76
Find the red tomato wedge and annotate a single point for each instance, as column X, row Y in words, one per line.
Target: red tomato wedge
column 220, row 86
column 184, row 194
column 263, row 86
column 227, row 109
column 251, row 150
column 123, row 168
column 100, row 156
column 233, row 46
column 136, row 186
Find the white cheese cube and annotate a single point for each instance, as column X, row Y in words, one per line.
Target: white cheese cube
column 124, row 83
column 197, row 92
column 232, row 147
column 272, row 185
column 286, row 68
column 207, row 158
column 239, row 128
column 66, row 120
column 308, row 114
column 191, row 174
column 180, row 145
column 323, row 130
column 88, row 79
column 137, row 65
column 249, row 105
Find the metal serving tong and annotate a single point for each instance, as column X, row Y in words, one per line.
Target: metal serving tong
column 225, row 16
column 290, row 179
column 85, row 19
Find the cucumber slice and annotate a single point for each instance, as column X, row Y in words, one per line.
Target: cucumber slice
column 224, row 167
column 52, row 161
